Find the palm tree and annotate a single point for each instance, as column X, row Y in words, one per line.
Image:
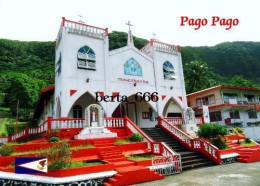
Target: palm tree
column 197, row 76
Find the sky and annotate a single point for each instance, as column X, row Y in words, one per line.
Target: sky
column 39, row 20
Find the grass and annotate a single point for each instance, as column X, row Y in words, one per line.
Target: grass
column 76, row 164
column 248, row 144
column 122, row 141
column 139, row 157
column 3, row 130
column 85, row 146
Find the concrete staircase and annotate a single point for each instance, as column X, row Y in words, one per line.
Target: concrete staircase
column 190, row 159
column 132, row 175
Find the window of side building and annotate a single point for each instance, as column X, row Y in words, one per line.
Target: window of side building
column 215, row 116
column 249, row 99
column 207, row 100
column 234, row 114
column 252, row 114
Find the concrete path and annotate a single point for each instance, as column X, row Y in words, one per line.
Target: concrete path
column 237, row 174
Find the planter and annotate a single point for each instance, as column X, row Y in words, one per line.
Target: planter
column 79, row 170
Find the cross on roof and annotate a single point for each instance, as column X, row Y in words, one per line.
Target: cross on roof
column 154, row 36
column 129, row 25
column 80, row 18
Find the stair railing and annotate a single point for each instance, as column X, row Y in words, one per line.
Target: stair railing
column 157, row 148
column 198, row 144
column 114, row 122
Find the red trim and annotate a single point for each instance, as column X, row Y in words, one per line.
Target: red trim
column 226, row 105
column 72, row 92
column 156, row 41
column 179, row 48
column 106, row 31
column 222, row 86
column 63, row 21
column 163, row 97
column 48, row 88
column 84, row 24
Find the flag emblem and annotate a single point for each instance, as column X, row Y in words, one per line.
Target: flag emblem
column 31, row 165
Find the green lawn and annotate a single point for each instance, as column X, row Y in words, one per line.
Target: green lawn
column 122, row 141
column 248, row 144
column 140, row 157
column 3, row 130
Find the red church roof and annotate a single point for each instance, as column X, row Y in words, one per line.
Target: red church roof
column 45, row 95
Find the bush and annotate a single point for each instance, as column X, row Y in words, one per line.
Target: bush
column 211, row 131
column 59, row 156
column 238, row 130
column 3, row 135
column 6, row 150
column 247, row 140
column 136, row 137
column 218, row 142
column 54, row 139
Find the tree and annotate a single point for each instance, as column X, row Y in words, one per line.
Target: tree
column 240, row 81
column 27, row 90
column 197, row 76
column 213, row 133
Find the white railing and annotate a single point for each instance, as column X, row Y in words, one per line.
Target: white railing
column 177, row 132
column 134, row 129
column 200, row 145
column 114, row 122
column 67, row 124
column 83, row 28
column 3, row 140
column 165, row 47
column 175, row 121
column 166, row 165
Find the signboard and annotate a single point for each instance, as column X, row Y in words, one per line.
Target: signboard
column 206, row 113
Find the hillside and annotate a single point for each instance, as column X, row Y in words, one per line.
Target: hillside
column 26, row 67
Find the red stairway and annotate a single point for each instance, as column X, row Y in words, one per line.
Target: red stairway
column 132, row 175
column 248, row 155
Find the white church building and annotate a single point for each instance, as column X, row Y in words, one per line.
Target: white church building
column 85, row 69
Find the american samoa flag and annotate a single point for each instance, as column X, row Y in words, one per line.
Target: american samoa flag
column 31, row 165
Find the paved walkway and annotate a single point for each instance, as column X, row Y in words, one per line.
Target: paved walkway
column 237, row 174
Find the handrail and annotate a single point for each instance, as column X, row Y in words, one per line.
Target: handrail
column 159, row 148
column 200, row 145
column 132, row 126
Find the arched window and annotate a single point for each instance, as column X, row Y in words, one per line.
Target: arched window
column 86, row 58
column 77, row 111
column 132, row 67
column 168, row 70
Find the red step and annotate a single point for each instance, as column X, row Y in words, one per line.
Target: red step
column 133, row 175
column 247, row 155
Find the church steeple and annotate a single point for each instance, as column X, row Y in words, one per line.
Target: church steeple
column 130, row 40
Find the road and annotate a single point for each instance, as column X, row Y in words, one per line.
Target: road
column 236, row 174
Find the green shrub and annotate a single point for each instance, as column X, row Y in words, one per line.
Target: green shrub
column 136, row 137
column 54, row 139
column 59, row 156
column 238, row 130
column 218, row 142
column 247, row 140
column 211, row 131
column 6, row 150
column 3, row 135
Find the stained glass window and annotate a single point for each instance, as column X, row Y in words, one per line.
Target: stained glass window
column 168, row 70
column 132, row 67
column 86, row 58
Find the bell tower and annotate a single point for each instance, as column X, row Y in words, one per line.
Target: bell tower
column 80, row 59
